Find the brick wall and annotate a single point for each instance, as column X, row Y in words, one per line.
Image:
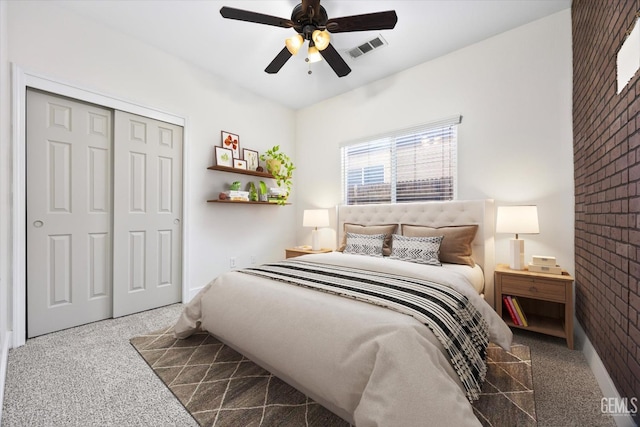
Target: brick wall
column 606, row 131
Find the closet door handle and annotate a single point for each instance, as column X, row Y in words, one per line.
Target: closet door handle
column 38, row 223
column 176, row 221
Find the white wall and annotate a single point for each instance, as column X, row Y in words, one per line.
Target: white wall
column 48, row 40
column 514, row 91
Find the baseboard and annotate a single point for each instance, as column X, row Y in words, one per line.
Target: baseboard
column 605, row 382
column 4, row 358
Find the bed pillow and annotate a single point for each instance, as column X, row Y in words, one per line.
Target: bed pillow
column 421, row 250
column 364, row 244
column 456, row 245
column 386, row 229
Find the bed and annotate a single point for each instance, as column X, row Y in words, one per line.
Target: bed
column 367, row 359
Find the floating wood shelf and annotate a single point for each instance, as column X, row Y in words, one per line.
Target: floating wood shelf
column 241, row 171
column 247, row 202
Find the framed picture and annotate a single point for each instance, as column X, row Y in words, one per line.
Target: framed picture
column 239, row 164
column 224, row 157
column 251, row 157
column 232, row 142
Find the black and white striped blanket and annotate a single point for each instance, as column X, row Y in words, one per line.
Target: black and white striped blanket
column 450, row 315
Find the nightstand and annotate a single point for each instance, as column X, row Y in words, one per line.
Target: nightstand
column 546, row 299
column 294, row 252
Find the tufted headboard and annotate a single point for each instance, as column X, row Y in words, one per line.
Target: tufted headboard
column 435, row 214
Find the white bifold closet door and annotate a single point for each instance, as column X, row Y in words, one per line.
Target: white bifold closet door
column 103, row 213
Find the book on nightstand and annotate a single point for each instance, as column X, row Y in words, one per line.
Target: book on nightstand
column 510, row 309
column 520, row 311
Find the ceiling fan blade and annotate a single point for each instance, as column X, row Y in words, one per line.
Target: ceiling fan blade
column 258, row 18
column 369, row 21
column 335, row 61
column 278, row 61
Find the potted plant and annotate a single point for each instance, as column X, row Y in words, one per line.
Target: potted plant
column 253, row 194
column 263, row 196
column 281, row 167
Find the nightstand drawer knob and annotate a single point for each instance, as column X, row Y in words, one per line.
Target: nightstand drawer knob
column 533, row 289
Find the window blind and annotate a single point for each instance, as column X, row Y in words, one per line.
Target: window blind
column 408, row 165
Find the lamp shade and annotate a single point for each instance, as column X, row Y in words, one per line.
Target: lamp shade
column 294, row 43
column 517, row 220
column 315, row 218
column 321, row 39
column 313, row 54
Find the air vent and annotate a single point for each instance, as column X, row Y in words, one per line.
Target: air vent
column 367, row 47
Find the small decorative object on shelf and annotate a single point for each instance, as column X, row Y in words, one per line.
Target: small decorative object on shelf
column 231, row 141
column 253, row 194
column 240, row 164
column 277, row 195
column 224, row 157
column 251, row 157
column 264, row 196
column 234, row 193
column 281, row 167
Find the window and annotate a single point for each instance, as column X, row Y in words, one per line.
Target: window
column 366, row 175
column 409, row 165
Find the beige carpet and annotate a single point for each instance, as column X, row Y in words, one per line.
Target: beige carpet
column 220, row 387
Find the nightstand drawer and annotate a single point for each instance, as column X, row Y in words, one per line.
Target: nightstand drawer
column 533, row 288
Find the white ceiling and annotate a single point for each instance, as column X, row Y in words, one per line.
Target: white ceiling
column 239, row 51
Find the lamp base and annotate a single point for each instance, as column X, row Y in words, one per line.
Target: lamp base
column 315, row 240
column 516, row 254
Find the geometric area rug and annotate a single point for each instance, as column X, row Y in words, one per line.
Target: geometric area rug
column 507, row 396
column 219, row 387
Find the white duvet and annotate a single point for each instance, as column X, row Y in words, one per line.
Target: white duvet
column 368, row 364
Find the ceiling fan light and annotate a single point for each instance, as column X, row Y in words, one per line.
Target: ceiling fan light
column 294, row 43
column 313, row 54
column 321, row 39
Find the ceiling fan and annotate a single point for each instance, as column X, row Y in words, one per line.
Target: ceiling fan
column 311, row 22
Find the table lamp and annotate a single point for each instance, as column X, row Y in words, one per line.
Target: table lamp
column 315, row 218
column 517, row 220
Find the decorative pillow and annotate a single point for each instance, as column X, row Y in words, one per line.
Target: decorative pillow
column 386, row 229
column 456, row 245
column 364, row 244
column 421, row 250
